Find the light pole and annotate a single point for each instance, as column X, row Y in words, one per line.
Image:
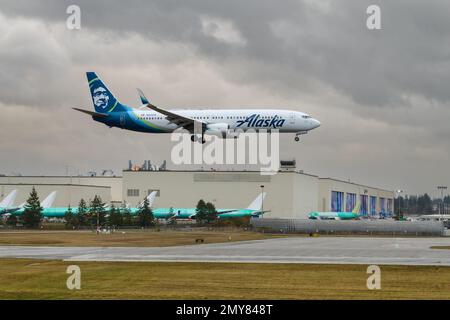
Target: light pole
column 98, row 221
column 399, row 191
column 442, row 188
column 262, row 199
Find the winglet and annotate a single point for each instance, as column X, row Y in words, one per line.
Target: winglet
column 144, row 99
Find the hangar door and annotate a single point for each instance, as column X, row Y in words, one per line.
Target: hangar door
column 337, row 201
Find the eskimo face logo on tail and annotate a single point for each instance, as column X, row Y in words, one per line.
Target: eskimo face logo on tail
column 255, row 121
column 101, row 97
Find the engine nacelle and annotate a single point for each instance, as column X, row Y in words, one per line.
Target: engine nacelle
column 217, row 129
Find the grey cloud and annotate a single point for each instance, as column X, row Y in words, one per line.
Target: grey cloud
column 375, row 68
column 382, row 96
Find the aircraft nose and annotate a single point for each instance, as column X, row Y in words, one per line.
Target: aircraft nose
column 315, row 123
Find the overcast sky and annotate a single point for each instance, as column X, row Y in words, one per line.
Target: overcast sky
column 382, row 95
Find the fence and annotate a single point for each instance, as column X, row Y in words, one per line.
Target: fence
column 361, row 227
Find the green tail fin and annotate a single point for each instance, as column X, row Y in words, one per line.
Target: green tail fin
column 357, row 207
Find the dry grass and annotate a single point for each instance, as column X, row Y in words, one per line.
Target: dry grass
column 131, row 238
column 38, row 279
column 441, row 247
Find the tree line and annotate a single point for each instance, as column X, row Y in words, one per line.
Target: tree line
column 421, row 204
column 95, row 214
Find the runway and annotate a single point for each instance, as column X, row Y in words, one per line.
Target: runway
column 322, row 250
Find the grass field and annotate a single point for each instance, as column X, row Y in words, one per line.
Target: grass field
column 441, row 247
column 130, row 238
column 40, row 279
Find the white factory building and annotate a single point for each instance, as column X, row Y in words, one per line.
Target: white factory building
column 290, row 193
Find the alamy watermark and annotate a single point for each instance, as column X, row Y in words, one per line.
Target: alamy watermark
column 74, row 280
column 374, row 280
column 373, row 21
column 73, row 21
column 237, row 148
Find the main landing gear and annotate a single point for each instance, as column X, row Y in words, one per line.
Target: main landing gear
column 298, row 134
column 194, row 138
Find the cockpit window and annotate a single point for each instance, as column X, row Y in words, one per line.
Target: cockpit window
column 306, row 116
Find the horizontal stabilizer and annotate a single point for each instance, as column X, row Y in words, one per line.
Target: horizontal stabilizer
column 92, row 113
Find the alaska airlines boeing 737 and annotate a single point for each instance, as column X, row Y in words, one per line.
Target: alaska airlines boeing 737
column 111, row 112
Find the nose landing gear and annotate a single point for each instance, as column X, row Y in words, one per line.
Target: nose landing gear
column 298, row 134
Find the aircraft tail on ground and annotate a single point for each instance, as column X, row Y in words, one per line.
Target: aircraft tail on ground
column 103, row 100
column 357, row 207
column 257, row 203
column 151, row 198
column 8, row 201
column 48, row 202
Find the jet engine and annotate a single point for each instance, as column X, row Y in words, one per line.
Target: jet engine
column 217, row 129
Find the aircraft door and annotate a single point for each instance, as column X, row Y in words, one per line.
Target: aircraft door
column 292, row 118
column 122, row 119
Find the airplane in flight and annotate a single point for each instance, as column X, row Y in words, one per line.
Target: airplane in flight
column 152, row 119
column 7, row 204
column 354, row 214
column 253, row 210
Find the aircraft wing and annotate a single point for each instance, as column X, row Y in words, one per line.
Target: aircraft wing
column 10, row 210
column 179, row 120
column 253, row 213
column 259, row 213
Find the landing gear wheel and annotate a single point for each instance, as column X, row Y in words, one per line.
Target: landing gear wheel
column 194, row 138
column 297, row 139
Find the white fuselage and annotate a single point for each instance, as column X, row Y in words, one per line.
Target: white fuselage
column 234, row 119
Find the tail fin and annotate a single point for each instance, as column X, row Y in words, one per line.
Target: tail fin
column 8, row 201
column 150, row 198
column 103, row 100
column 48, row 202
column 357, row 207
column 257, row 203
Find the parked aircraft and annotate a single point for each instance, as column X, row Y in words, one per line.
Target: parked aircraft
column 354, row 214
column 7, row 204
column 253, row 210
